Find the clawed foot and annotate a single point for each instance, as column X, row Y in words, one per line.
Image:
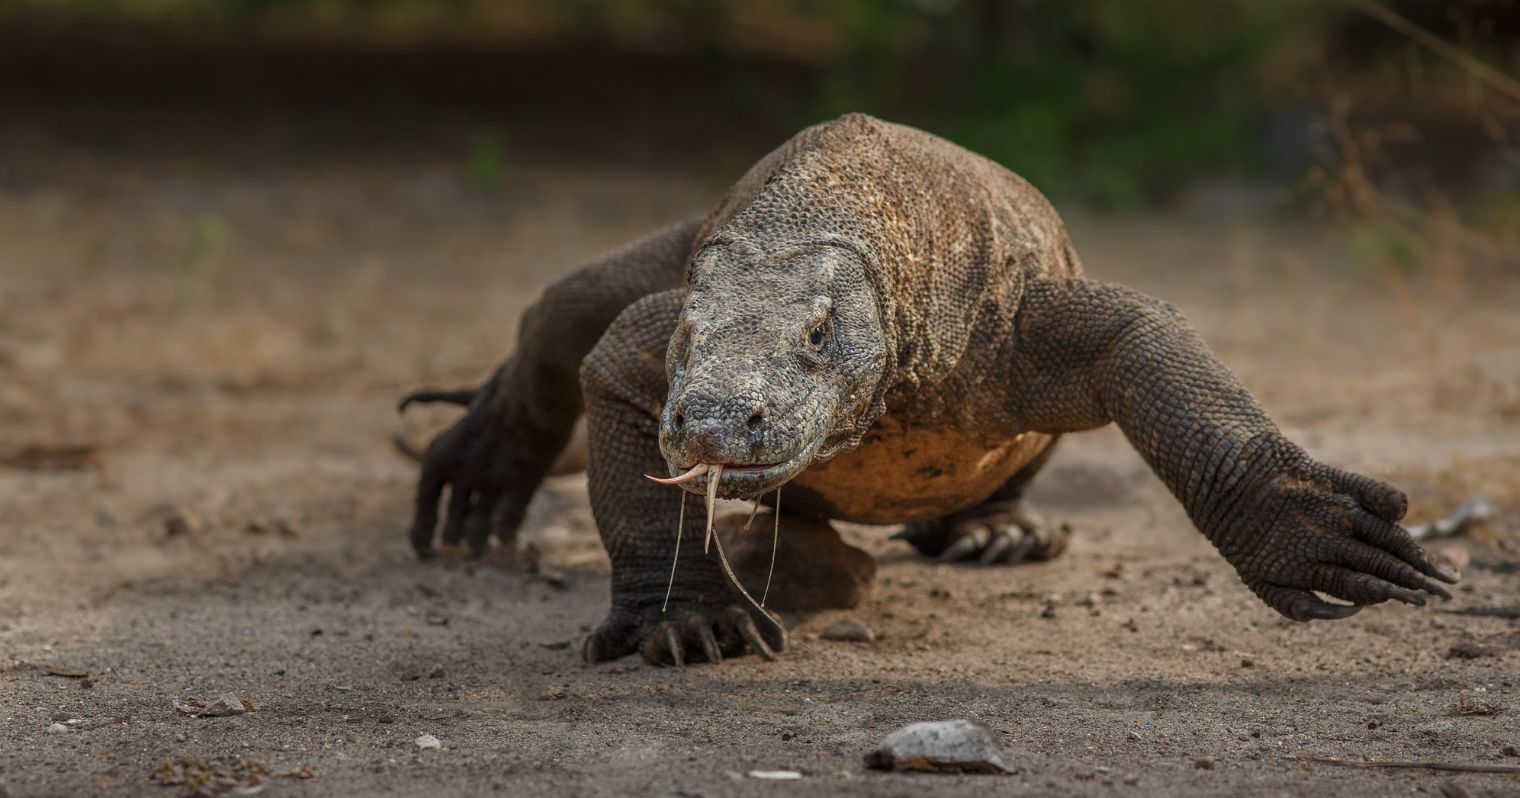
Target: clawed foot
column 685, row 634
column 1311, row 529
column 992, row 533
column 489, row 471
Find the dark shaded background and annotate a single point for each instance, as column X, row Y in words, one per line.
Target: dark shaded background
column 1109, row 103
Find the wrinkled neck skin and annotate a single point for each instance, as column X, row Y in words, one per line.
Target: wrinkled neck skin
column 781, row 359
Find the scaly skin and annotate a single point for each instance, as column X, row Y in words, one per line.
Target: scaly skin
column 897, row 330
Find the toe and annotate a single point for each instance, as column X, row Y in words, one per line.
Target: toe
column 1002, row 545
column 972, row 541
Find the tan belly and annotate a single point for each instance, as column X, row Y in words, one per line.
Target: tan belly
column 900, row 474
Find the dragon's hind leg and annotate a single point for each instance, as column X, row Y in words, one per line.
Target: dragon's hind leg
column 1001, row 529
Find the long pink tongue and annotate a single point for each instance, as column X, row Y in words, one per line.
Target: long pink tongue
column 696, row 471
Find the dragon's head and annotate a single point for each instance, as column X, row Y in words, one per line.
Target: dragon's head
column 774, row 365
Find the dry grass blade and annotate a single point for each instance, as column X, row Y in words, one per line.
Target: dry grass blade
column 1493, row 78
column 680, row 529
column 775, row 543
column 732, row 577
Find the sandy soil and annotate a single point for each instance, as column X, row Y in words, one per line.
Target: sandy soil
column 230, row 334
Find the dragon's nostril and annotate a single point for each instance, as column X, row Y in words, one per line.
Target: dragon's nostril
column 755, row 419
column 680, row 420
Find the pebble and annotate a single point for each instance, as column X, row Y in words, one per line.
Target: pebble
column 951, row 746
column 1436, row 728
column 1510, row 750
column 1455, row 554
column 428, row 742
column 775, row 775
column 1205, row 763
column 225, row 705
column 181, row 521
column 58, row 728
column 848, row 629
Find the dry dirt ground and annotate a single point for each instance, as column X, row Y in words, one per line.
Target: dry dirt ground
column 230, row 333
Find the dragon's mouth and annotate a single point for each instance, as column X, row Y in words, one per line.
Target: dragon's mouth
column 738, row 480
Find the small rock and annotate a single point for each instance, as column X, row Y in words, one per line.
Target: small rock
column 553, row 694
column 428, row 742
column 183, row 522
column 1451, row 789
column 1455, row 554
column 848, row 629
column 285, row 527
column 1471, row 513
column 1510, row 750
column 436, row 672
column 1471, row 649
column 775, row 775
column 58, row 728
column 1435, row 728
column 437, row 619
column 63, row 716
column 952, row 746
column 1472, row 705
column 226, row 705
column 1205, row 763
column 553, row 577
column 386, row 717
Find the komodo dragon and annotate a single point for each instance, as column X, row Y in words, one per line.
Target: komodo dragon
column 897, row 330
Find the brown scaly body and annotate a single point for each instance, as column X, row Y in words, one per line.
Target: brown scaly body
column 897, row 330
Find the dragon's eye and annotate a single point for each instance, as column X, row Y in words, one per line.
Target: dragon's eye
column 816, row 336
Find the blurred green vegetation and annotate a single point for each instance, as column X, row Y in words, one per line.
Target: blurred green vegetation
column 1111, row 102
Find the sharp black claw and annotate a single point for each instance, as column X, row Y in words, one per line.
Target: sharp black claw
column 591, row 650
column 1407, row 596
column 965, row 545
column 710, row 646
column 1001, row 547
column 461, row 398
column 677, row 648
column 755, row 640
column 1321, row 611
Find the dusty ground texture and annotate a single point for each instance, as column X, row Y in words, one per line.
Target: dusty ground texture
column 230, row 332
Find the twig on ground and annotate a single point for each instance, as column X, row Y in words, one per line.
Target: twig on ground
column 1449, row 767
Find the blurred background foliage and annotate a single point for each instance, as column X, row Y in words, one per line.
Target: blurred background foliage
column 1113, row 103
